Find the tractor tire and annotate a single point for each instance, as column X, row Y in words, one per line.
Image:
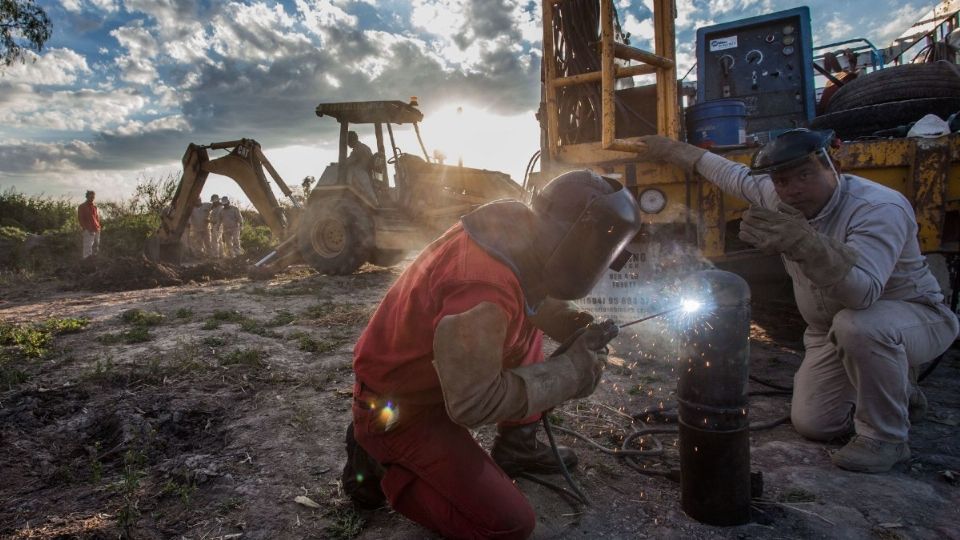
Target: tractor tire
column 865, row 121
column 335, row 236
column 898, row 83
column 387, row 257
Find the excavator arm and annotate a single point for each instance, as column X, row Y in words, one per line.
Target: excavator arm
column 244, row 164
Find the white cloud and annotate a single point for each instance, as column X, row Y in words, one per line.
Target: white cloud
column 72, row 110
column 137, row 66
column 255, row 32
column 895, row 22
column 136, row 70
column 30, row 156
column 640, row 30
column 135, row 127
column 55, row 67
column 77, row 6
column 836, row 29
column 442, row 18
column 138, row 41
column 319, row 15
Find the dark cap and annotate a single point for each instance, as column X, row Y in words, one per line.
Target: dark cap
column 789, row 149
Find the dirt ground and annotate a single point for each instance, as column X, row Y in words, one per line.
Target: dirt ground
column 210, row 421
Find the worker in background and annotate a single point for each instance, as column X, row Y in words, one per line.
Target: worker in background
column 232, row 221
column 89, row 218
column 457, row 343
column 358, row 165
column 874, row 312
column 216, row 229
column 200, row 229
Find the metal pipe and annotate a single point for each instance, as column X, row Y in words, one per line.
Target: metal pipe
column 714, row 427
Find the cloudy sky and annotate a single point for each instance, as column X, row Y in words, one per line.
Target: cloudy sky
column 124, row 85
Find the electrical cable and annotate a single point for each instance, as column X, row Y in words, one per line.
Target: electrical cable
column 529, row 170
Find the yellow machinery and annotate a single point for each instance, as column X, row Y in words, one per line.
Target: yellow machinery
column 245, row 164
column 694, row 212
column 354, row 215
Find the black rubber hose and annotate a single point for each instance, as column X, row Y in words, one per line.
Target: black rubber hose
column 563, row 466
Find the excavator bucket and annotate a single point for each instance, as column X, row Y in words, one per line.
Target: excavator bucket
column 244, row 164
column 165, row 245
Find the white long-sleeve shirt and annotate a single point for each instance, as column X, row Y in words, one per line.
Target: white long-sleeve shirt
column 231, row 218
column 875, row 221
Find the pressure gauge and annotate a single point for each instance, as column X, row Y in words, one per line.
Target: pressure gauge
column 652, row 201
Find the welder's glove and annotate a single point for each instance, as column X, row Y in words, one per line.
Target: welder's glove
column 560, row 319
column 824, row 260
column 468, row 356
column 574, row 373
column 667, row 150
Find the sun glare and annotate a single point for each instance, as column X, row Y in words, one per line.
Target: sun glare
column 476, row 137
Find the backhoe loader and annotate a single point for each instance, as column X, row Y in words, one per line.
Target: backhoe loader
column 399, row 204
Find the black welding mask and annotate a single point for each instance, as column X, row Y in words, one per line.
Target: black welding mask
column 789, row 149
column 586, row 222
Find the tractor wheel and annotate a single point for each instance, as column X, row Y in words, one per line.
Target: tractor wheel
column 864, row 121
column 898, row 83
column 387, row 257
column 335, row 236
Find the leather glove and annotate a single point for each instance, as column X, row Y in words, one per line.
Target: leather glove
column 560, row 319
column 571, row 373
column 666, row 150
column 824, row 260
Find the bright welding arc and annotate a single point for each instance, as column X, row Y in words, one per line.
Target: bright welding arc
column 687, row 305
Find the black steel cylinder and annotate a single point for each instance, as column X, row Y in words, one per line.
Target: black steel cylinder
column 713, row 405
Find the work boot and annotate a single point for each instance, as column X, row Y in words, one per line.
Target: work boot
column 516, row 449
column 361, row 475
column 863, row 454
column 917, row 405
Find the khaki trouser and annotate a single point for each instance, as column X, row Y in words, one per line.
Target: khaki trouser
column 216, row 241
column 91, row 243
column 856, row 375
column 231, row 242
column 200, row 241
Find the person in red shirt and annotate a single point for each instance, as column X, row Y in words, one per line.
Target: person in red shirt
column 457, row 342
column 89, row 219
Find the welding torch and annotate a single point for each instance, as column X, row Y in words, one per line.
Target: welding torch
column 600, row 334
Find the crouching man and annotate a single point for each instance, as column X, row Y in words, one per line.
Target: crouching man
column 874, row 312
column 457, row 342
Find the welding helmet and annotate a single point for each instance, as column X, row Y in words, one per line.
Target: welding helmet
column 586, row 222
column 789, row 149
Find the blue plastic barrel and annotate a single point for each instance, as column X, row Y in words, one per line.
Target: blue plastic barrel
column 721, row 122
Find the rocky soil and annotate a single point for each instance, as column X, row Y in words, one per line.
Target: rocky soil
column 208, row 409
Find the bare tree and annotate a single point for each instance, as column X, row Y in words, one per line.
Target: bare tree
column 23, row 25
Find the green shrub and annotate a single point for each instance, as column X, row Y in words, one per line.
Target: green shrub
column 137, row 334
column 282, row 318
column 35, row 213
column 126, row 235
column 32, row 341
column 225, row 315
column 139, row 317
column 256, row 240
column 214, row 341
column 244, row 357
